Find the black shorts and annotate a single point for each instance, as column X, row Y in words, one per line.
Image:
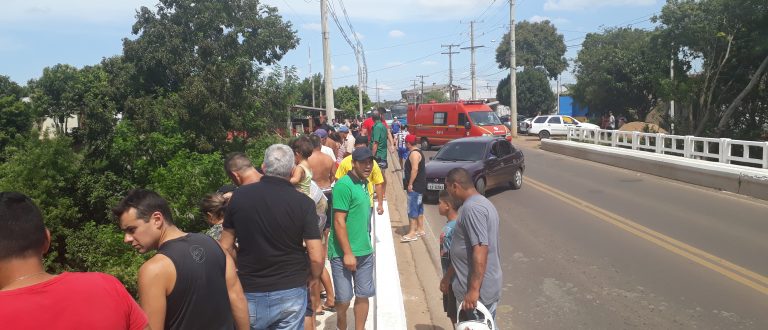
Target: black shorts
column 449, row 303
column 382, row 163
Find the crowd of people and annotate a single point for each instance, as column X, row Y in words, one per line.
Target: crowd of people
column 261, row 265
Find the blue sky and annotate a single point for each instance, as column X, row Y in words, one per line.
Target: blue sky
column 402, row 38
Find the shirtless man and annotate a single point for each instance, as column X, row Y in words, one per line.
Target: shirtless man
column 322, row 165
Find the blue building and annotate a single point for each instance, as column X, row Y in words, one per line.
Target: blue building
column 569, row 107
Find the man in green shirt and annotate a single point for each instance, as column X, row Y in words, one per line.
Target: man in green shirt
column 349, row 246
column 379, row 141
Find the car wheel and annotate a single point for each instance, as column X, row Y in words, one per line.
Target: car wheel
column 544, row 135
column 424, row 144
column 480, row 186
column 517, row 180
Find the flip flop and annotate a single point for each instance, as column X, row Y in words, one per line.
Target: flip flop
column 408, row 239
column 421, row 234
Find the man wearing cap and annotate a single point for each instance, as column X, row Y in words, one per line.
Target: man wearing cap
column 348, row 144
column 349, row 247
column 415, row 184
column 376, row 181
column 323, row 135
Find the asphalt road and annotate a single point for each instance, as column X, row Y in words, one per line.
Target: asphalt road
column 588, row 246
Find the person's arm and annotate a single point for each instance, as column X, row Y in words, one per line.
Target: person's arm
column 479, row 261
column 237, row 301
column 414, row 158
column 445, row 282
column 340, row 223
column 154, row 277
column 379, row 188
column 297, row 175
column 316, row 259
column 227, row 241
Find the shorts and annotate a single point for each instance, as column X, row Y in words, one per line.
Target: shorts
column 329, row 211
column 364, row 286
column 402, row 152
column 382, row 162
column 449, row 303
column 415, row 205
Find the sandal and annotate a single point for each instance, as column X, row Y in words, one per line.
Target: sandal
column 421, row 234
column 408, row 239
column 329, row 308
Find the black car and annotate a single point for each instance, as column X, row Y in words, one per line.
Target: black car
column 492, row 162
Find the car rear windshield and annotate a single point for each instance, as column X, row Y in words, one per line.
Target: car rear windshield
column 484, row 118
column 462, row 151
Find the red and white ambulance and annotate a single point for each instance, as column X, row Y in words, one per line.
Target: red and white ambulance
column 437, row 123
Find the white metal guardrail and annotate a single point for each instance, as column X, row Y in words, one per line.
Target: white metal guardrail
column 727, row 151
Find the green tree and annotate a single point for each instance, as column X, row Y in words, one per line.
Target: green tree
column 620, row 70
column 305, row 91
column 209, row 52
column 728, row 38
column 438, row 96
column 57, row 94
column 8, row 87
column 534, row 95
column 16, row 119
column 536, row 45
column 346, row 98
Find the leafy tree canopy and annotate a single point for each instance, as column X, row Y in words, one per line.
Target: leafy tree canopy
column 536, row 45
column 534, row 95
column 346, row 98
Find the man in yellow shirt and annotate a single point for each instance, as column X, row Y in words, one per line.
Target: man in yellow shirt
column 376, row 180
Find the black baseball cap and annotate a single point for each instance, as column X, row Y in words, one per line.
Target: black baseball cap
column 362, row 153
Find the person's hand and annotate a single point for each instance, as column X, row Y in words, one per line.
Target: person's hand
column 445, row 284
column 470, row 300
column 410, row 188
column 380, row 209
column 350, row 263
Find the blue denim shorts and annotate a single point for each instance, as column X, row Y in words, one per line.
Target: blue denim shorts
column 362, row 278
column 283, row 309
column 415, row 205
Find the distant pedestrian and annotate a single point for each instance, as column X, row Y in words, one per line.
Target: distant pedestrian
column 415, row 184
column 379, row 142
column 31, row 298
column 191, row 283
column 402, row 147
column 475, row 245
column 349, row 141
column 611, row 120
column 272, row 222
column 395, row 126
column 349, row 247
column 213, row 206
column 447, row 207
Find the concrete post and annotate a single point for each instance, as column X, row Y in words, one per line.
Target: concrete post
column 765, row 155
column 687, row 146
column 635, row 140
column 725, row 150
column 660, row 143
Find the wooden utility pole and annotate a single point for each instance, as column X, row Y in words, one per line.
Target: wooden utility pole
column 421, row 94
column 472, row 64
column 450, row 69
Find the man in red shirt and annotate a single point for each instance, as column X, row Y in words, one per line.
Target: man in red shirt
column 31, row 298
column 367, row 126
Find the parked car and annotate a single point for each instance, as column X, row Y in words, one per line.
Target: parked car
column 548, row 125
column 524, row 125
column 492, row 162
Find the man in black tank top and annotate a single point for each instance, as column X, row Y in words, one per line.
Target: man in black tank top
column 415, row 183
column 190, row 283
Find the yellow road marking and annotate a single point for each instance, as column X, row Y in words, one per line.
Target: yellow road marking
column 720, row 265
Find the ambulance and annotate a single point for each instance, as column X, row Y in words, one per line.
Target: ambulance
column 436, row 124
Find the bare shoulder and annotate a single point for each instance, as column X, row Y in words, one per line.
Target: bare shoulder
column 159, row 265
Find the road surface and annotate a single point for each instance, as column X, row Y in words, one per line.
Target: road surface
column 589, row 246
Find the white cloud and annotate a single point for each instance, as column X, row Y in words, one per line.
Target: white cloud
column 429, row 63
column 396, row 34
column 585, row 4
column 392, row 10
column 312, row 26
column 537, row 18
column 81, row 10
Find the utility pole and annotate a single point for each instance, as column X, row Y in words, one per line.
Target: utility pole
column 311, row 77
column 450, row 69
column 512, row 70
column 415, row 99
column 472, row 65
column 558, row 94
column 360, row 89
column 330, row 112
column 489, row 87
column 421, row 94
column 285, row 83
